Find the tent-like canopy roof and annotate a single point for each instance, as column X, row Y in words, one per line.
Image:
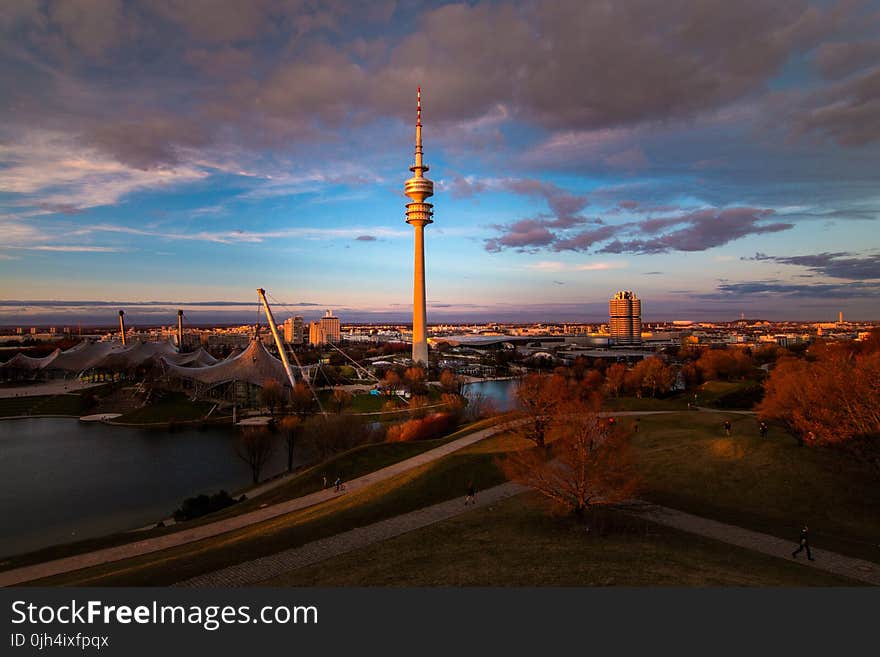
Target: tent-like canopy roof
column 83, row 356
column 136, row 355
column 22, row 362
column 254, row 365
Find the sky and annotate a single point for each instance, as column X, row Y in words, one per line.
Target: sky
column 718, row 158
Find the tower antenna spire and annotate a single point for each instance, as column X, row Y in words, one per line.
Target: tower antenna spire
column 418, row 168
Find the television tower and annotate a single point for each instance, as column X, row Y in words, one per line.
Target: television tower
column 418, row 215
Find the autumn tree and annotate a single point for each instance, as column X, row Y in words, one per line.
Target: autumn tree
column 615, row 377
column 302, row 400
column 538, row 396
column 415, row 380
column 588, row 462
column 255, row 446
column 391, row 381
column 833, row 400
column 651, row 375
column 289, row 426
column 271, row 395
column 450, row 383
column 326, row 435
column 340, row 400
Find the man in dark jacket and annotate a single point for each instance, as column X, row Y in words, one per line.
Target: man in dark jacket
column 804, row 543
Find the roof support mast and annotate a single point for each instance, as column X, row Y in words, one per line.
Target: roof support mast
column 278, row 343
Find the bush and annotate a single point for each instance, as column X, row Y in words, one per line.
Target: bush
column 195, row 507
column 426, row 428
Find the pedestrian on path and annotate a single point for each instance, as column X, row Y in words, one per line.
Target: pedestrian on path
column 471, row 497
column 804, row 543
column 323, row 481
column 727, row 427
column 338, row 483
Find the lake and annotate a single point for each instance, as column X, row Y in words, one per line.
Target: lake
column 65, row 480
column 500, row 393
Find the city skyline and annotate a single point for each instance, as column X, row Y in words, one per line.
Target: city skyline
column 266, row 149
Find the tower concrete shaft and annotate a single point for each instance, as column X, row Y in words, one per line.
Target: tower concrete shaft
column 419, row 214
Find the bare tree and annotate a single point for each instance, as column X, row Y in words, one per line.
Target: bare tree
column 588, row 462
column 538, row 397
column 272, row 395
column 290, row 427
column 302, row 400
column 255, row 446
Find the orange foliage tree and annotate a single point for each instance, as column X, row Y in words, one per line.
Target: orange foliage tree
column 538, row 397
column 615, row 377
column 588, row 462
column 833, row 399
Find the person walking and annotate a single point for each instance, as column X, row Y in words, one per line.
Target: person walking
column 471, row 497
column 763, row 428
column 804, row 544
column 338, row 483
column 323, row 481
column 727, row 427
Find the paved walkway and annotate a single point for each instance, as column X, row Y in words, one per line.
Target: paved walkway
column 838, row 564
column 57, row 387
column 182, row 537
column 258, row 570
column 253, row 572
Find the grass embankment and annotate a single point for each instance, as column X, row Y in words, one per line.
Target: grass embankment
column 172, row 407
column 70, row 403
column 516, row 543
column 770, row 485
column 435, row 482
column 726, row 395
column 351, row 464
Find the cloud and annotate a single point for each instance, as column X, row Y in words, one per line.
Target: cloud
column 698, row 231
column 847, row 112
column 776, row 289
column 523, row 235
column 365, row 238
column 841, row 58
column 835, row 265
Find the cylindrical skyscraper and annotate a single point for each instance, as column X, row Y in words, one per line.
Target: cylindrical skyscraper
column 626, row 318
column 418, row 214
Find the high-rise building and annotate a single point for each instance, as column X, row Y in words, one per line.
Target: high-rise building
column 325, row 330
column 418, row 215
column 293, row 330
column 625, row 309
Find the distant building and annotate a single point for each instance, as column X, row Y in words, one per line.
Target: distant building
column 294, row 330
column 325, row 330
column 625, row 326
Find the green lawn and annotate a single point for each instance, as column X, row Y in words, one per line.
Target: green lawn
column 770, row 485
column 676, row 403
column 172, row 407
column 63, row 404
column 516, row 543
